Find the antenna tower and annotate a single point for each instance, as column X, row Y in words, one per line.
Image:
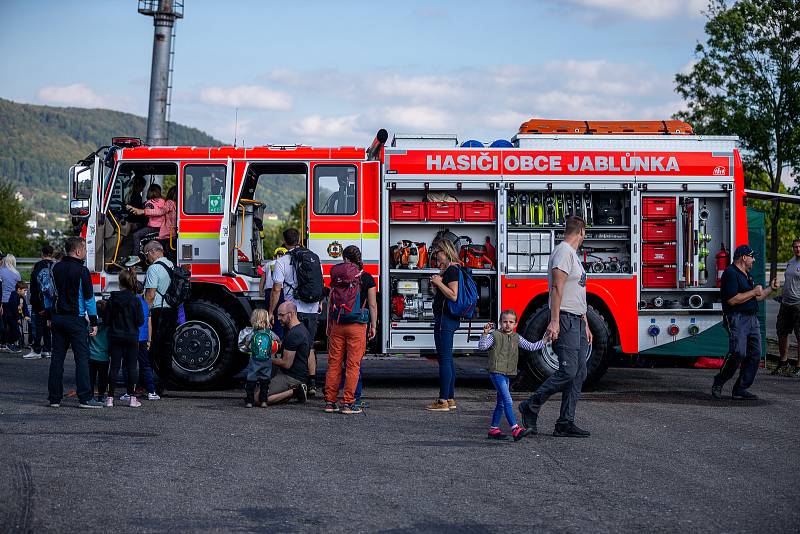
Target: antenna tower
column 164, row 13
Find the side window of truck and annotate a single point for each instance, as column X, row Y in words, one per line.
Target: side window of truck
column 335, row 190
column 203, row 189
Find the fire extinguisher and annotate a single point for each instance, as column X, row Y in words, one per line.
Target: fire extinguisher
column 723, row 260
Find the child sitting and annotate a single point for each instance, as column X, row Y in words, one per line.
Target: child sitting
column 98, row 355
column 263, row 346
column 154, row 222
column 503, row 346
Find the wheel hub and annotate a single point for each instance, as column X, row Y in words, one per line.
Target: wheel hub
column 551, row 358
column 197, row 346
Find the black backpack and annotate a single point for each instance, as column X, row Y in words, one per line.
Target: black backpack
column 180, row 287
column 308, row 275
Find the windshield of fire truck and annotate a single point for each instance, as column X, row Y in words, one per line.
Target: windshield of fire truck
column 335, row 190
column 280, row 186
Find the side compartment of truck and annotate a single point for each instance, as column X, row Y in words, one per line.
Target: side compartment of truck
column 465, row 214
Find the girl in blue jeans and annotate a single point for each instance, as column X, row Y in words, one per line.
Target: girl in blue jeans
column 503, row 345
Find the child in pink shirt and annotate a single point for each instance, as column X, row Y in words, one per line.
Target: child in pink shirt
column 155, row 204
column 165, row 214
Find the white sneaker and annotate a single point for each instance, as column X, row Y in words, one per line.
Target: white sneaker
column 46, row 354
column 31, row 356
column 125, row 397
column 153, row 396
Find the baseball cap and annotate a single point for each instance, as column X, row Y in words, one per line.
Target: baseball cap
column 743, row 250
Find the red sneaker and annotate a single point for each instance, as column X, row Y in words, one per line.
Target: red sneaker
column 519, row 432
column 497, row 434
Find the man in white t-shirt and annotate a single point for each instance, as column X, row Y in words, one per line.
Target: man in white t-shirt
column 163, row 317
column 284, row 280
column 568, row 330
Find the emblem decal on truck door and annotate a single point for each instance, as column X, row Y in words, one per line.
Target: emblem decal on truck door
column 335, row 249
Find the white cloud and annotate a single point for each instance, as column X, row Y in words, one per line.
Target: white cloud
column 419, row 88
column 247, row 96
column 505, row 119
column 339, row 129
column 646, row 9
column 76, row 94
column 602, row 77
column 419, row 118
column 343, row 107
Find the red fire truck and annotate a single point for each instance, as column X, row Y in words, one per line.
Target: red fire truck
column 662, row 205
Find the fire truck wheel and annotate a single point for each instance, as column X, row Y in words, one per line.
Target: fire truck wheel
column 536, row 367
column 205, row 346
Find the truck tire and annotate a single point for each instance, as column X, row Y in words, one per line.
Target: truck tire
column 205, row 347
column 536, row 368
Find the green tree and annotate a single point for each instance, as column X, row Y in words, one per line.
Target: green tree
column 13, row 224
column 746, row 81
column 273, row 234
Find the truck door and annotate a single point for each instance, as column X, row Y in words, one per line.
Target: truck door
column 84, row 207
column 334, row 210
column 227, row 208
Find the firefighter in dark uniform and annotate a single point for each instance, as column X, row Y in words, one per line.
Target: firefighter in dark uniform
column 740, row 297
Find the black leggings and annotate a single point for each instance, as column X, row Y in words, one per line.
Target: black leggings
column 123, row 349
column 98, row 376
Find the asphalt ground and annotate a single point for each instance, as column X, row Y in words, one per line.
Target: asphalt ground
column 663, row 457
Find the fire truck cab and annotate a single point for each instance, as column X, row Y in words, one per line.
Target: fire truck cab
column 659, row 203
column 219, row 228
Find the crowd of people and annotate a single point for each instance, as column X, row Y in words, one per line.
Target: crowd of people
column 132, row 331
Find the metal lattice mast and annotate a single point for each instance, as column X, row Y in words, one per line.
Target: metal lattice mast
column 164, row 13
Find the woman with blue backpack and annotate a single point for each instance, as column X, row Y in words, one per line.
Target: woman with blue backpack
column 445, row 289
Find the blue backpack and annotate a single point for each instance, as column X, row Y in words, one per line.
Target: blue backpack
column 47, row 286
column 467, row 300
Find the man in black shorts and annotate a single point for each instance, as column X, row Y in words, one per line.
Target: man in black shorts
column 290, row 370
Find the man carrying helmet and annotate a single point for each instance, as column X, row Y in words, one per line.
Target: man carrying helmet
column 740, row 298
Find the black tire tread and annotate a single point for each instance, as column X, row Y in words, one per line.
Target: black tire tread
column 533, row 372
column 229, row 361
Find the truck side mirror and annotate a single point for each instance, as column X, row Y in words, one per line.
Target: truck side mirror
column 79, row 208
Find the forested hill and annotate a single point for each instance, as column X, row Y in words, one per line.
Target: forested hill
column 38, row 144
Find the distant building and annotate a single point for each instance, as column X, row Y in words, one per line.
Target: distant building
column 270, row 216
column 32, row 224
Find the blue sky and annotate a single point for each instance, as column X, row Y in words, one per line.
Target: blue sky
column 333, row 72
